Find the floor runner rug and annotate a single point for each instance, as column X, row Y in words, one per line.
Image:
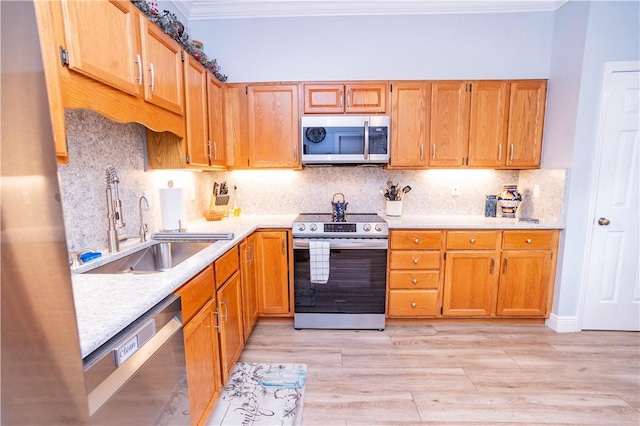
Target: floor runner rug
column 262, row 394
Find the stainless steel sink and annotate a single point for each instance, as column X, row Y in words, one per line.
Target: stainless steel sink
column 156, row 258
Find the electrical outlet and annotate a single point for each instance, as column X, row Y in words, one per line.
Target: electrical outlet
column 536, row 191
column 455, row 190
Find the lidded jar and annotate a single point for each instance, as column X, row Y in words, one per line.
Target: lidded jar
column 509, row 199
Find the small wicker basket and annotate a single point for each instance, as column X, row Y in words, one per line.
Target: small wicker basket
column 213, row 215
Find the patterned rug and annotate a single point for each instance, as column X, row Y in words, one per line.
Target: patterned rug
column 262, row 394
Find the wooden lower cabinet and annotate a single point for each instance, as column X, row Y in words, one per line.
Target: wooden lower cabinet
column 414, row 273
column 469, row 283
column 201, row 344
column 229, row 298
column 248, row 274
column 274, row 280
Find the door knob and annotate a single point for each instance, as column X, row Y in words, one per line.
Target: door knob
column 603, row 221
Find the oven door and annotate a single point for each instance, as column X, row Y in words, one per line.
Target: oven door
column 355, row 294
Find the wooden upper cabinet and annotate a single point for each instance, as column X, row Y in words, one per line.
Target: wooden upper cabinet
column 215, row 113
column 162, row 73
column 526, row 123
column 103, row 43
column 449, row 123
column 410, row 123
column 488, row 124
column 338, row 98
column 197, row 134
column 273, row 126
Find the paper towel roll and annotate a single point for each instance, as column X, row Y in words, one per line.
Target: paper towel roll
column 172, row 209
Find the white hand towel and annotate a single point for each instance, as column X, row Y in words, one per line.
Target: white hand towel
column 319, row 261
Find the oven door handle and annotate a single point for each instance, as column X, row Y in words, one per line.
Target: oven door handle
column 348, row 245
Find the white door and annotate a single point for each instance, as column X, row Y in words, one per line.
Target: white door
column 612, row 294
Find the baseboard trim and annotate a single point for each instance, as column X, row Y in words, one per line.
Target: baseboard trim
column 562, row 324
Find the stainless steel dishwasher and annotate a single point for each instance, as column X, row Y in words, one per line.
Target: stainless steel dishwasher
column 139, row 376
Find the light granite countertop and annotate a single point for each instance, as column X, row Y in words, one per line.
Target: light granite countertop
column 106, row 304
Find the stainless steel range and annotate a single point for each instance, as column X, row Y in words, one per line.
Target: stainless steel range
column 340, row 271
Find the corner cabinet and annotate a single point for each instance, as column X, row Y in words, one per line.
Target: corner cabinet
column 274, row 274
column 339, row 98
column 262, row 126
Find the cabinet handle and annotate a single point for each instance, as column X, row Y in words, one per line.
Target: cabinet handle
column 209, row 150
column 226, row 309
column 250, row 248
column 472, row 240
column 493, row 264
column 139, row 62
column 504, row 266
column 215, row 151
column 282, row 245
column 340, row 96
column 434, row 152
column 499, row 152
column 511, row 153
column 217, row 314
column 421, row 151
column 153, row 76
column 415, row 260
column 348, row 98
column 528, row 241
column 415, row 281
column 416, row 240
column 414, row 304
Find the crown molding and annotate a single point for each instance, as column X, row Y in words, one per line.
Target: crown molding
column 228, row 9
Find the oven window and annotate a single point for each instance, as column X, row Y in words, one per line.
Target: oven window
column 357, row 283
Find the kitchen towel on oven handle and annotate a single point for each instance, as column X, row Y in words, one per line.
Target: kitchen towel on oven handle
column 319, row 261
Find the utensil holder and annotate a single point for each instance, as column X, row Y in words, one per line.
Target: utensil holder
column 393, row 208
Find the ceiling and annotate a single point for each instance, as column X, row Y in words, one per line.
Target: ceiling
column 224, row 9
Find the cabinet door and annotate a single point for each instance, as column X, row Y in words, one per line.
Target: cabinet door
column 230, row 323
column 236, row 133
column 273, row 126
column 324, row 98
column 488, row 124
column 410, row 121
column 162, row 62
column 470, row 280
column 216, row 121
column 103, row 43
column 249, row 290
column 273, row 272
column 203, row 368
column 524, row 283
column 195, row 90
column 449, row 123
column 526, row 122
column 366, row 98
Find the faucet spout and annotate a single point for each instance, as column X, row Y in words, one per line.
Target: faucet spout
column 143, row 226
column 114, row 211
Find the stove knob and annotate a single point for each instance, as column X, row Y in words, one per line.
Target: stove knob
column 312, row 227
column 301, row 227
column 379, row 227
column 366, row 227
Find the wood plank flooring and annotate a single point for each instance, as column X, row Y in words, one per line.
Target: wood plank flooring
column 459, row 374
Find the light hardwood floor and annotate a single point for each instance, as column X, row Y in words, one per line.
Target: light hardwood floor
column 459, row 374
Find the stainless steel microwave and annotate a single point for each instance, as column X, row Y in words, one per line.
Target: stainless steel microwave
column 345, row 139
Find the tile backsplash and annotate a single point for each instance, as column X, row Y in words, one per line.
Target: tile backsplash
column 94, row 142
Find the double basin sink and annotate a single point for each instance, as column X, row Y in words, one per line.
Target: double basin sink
column 157, row 258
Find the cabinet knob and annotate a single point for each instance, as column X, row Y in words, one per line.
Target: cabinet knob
column 415, row 260
column 414, row 304
column 416, row 240
column 472, row 240
column 415, row 281
column 528, row 240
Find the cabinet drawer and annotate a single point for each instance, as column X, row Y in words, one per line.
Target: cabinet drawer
column 413, row 280
column 415, row 239
column 225, row 266
column 473, row 240
column 196, row 293
column 413, row 303
column 530, row 239
column 415, row 259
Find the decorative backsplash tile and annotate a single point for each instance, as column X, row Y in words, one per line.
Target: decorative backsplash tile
column 94, row 142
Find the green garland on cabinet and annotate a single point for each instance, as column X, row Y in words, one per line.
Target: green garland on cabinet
column 170, row 24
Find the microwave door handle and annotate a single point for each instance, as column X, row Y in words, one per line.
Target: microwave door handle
column 366, row 140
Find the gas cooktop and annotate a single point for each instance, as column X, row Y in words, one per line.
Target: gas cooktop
column 355, row 225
